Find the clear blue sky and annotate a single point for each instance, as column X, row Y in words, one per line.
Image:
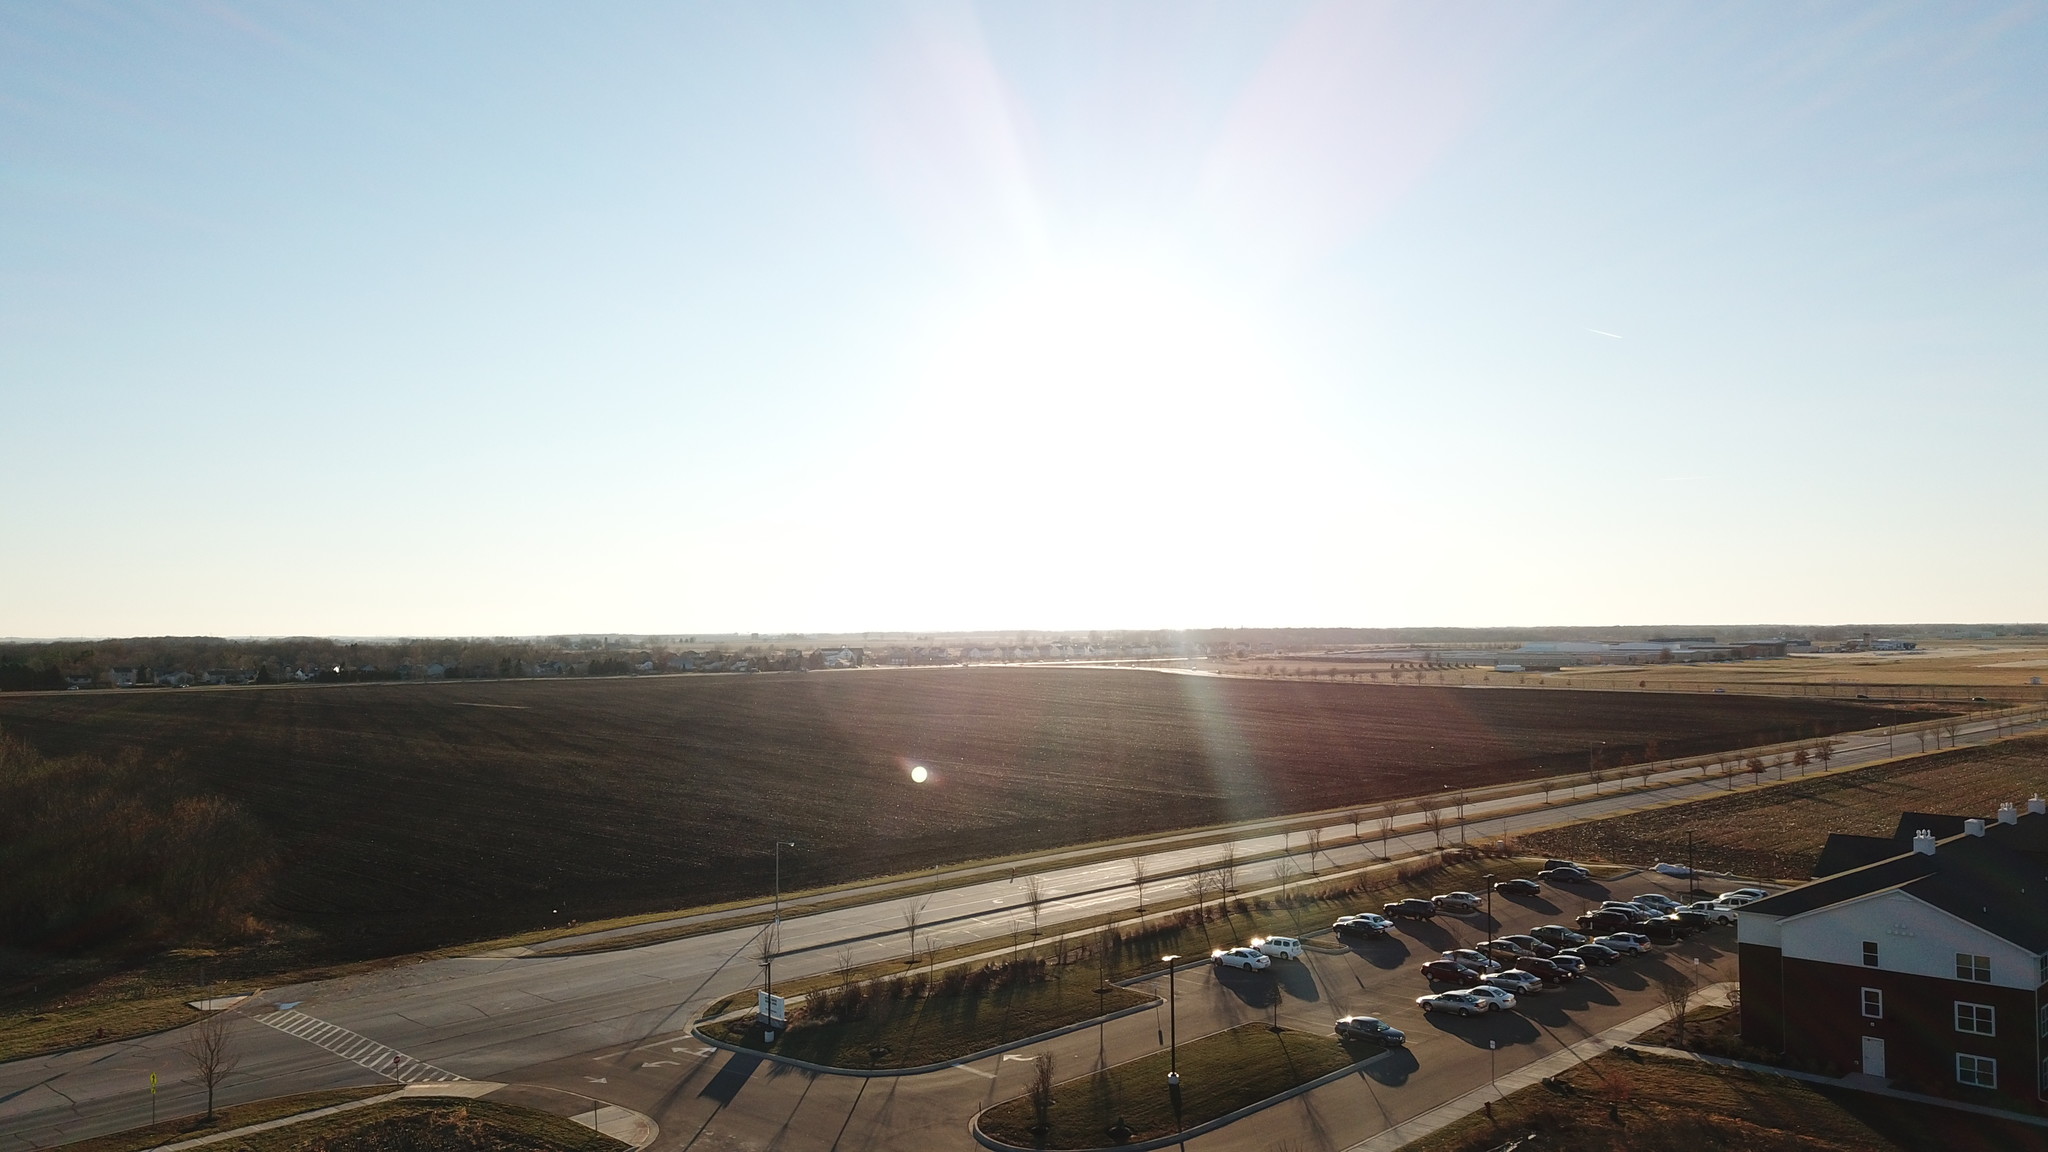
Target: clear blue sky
column 461, row 319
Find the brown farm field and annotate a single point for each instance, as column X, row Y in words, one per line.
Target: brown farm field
column 1779, row 830
column 412, row 816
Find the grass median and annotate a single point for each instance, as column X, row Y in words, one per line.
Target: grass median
column 912, row 1021
column 1220, row 1073
column 223, row 1120
column 429, row 1124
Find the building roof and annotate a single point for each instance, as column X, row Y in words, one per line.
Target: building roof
column 1997, row 881
column 1843, row 852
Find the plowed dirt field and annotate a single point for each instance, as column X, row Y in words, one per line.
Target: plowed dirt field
column 414, row 815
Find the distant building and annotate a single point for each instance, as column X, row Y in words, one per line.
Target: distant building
column 121, row 677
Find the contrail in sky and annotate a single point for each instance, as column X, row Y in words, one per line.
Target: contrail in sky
column 1597, row 332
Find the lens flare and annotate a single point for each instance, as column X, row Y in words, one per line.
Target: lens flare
column 918, row 775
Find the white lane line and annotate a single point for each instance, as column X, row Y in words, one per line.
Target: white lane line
column 976, row 1071
column 356, row 1048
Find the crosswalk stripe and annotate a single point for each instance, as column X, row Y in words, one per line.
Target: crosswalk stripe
column 356, row 1048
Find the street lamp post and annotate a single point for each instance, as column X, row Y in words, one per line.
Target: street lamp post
column 779, row 846
column 1489, row 906
column 1172, row 1025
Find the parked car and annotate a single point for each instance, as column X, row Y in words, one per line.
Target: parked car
column 1679, row 870
column 1278, row 947
column 1572, row 864
column 1752, row 893
column 1249, row 959
column 1505, row 950
column 1715, row 913
column 1633, row 911
column 1563, row 876
column 1519, row 886
column 1474, row 959
column 1370, row 1028
column 1531, row 945
column 1736, row 899
column 1413, row 908
column 1693, row 921
column 1626, row 943
column 1664, row 930
column 1558, row 935
column 1457, row 1003
column 1363, row 924
column 1655, row 900
column 1569, row 962
column 1549, row 971
column 1592, row 953
column 1458, row 902
column 1450, row 972
column 1516, row 980
column 1502, row 998
column 1604, row 920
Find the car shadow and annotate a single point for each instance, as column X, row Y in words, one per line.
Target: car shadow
column 1429, row 934
column 1503, row 1028
column 1394, row 1070
column 1533, row 903
column 1385, row 952
column 1625, row 976
column 1255, row 989
column 1295, row 981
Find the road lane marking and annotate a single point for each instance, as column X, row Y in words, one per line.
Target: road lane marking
column 357, row 1048
column 976, row 1071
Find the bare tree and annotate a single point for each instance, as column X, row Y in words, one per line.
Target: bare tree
column 1228, row 868
column 211, row 1052
column 1357, row 818
column 1315, row 845
column 913, row 916
column 1386, row 822
column 1041, row 1091
column 1677, row 989
column 1824, row 752
column 1138, row 876
column 1433, row 819
column 1034, row 898
column 843, row 964
column 1459, row 800
column 764, row 954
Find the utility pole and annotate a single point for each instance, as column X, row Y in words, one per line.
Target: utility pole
column 1172, row 1026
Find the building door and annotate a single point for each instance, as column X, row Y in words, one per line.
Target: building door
column 1873, row 1056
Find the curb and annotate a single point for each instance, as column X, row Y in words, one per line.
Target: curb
column 1843, row 1082
column 872, row 1073
column 1186, row 1134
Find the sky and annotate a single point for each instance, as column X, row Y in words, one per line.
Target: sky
column 513, row 319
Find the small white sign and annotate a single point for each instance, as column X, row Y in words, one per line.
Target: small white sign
column 770, row 1007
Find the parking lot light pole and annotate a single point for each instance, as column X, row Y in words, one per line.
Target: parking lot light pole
column 1490, row 925
column 1172, row 1025
column 779, row 846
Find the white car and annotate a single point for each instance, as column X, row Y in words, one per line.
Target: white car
column 1736, row 899
column 1752, row 893
column 1626, row 943
column 1457, row 1003
column 1514, row 980
column 1249, row 959
column 1717, row 913
column 1656, row 900
column 1674, row 869
column 1456, row 902
column 1501, row 997
column 1473, row 958
column 1278, row 947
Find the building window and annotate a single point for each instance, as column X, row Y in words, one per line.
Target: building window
column 1977, row 1018
column 1873, row 1003
column 1870, row 953
column 1977, row 1071
column 1973, row 967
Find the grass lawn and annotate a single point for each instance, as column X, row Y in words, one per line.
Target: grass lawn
column 1675, row 1105
column 913, row 1031
column 1220, row 1073
column 429, row 1124
column 224, row 1120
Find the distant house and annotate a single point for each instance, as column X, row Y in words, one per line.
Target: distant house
column 78, row 681
column 121, row 677
column 173, row 679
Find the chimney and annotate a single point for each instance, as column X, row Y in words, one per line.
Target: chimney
column 2008, row 813
column 1923, row 842
column 2038, row 806
column 1973, row 827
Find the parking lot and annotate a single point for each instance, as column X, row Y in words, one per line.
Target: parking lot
column 1445, row 1055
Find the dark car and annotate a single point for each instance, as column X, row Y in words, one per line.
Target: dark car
column 1569, row 963
column 1449, row 972
column 1371, row 1028
column 1552, row 973
column 1519, row 886
column 1593, row 953
column 1533, row 946
column 1412, row 908
column 1563, row 876
column 1697, row 921
column 1571, row 864
column 1605, row 921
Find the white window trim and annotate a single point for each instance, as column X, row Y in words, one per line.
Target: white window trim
column 1870, row 994
column 1871, row 956
column 1980, row 1066
column 1991, row 1018
column 1972, row 977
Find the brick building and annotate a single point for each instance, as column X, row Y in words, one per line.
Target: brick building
column 1925, row 968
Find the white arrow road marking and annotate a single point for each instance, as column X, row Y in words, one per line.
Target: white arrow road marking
column 1014, row 1056
column 976, row 1071
column 661, row 1064
column 698, row 1053
column 597, row 1079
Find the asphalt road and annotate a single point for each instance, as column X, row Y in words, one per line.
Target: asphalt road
column 615, row 1025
